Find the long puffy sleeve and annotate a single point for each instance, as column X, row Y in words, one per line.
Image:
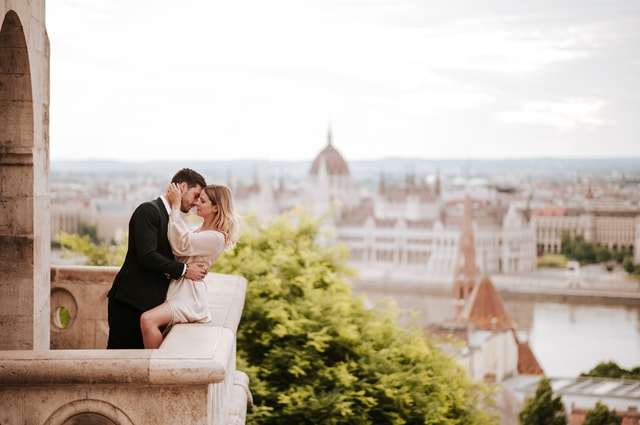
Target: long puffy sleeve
column 186, row 242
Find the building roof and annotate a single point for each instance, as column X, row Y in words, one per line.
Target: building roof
column 485, row 308
column 527, row 362
column 409, row 189
column 549, row 211
column 331, row 160
column 584, row 392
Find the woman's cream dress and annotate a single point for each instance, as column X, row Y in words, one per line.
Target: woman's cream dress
column 188, row 298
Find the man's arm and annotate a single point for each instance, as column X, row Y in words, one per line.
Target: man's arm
column 146, row 227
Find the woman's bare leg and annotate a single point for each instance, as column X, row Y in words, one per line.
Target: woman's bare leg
column 150, row 323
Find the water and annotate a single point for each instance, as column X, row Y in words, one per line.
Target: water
column 567, row 338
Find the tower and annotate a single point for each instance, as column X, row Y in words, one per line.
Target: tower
column 330, row 180
column 466, row 271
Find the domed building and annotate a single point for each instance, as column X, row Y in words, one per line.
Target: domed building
column 329, row 161
column 406, row 231
column 329, row 184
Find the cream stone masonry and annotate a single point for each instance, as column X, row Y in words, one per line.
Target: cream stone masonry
column 24, row 176
column 190, row 379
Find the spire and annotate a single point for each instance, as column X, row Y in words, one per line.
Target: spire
column 329, row 137
column 382, row 188
column 589, row 193
column 466, row 272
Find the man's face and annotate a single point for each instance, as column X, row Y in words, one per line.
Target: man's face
column 190, row 197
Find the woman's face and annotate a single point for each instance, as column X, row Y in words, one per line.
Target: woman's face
column 204, row 206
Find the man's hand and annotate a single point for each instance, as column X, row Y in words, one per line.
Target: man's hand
column 196, row 270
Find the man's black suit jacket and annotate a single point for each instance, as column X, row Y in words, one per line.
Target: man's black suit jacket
column 143, row 279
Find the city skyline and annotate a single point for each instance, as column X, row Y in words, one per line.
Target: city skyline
column 148, row 81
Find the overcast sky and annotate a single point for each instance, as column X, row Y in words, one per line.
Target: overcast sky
column 217, row 80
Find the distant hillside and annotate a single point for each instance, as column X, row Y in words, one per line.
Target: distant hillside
column 391, row 168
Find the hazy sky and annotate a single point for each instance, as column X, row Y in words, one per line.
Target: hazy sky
column 214, row 80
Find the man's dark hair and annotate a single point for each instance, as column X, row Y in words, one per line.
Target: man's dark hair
column 191, row 177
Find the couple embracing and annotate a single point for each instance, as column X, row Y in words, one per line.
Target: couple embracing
column 161, row 281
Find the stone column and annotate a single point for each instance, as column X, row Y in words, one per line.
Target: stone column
column 24, row 177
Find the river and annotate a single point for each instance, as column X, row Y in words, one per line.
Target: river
column 568, row 338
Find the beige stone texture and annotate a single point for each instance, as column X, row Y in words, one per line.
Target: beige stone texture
column 82, row 290
column 190, row 379
column 24, row 175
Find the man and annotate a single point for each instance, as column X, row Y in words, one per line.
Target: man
column 149, row 265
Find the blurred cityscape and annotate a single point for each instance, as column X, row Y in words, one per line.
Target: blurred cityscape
column 443, row 238
column 392, row 212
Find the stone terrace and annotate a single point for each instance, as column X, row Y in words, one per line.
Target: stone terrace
column 190, row 379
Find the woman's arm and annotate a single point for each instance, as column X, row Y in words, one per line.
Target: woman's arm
column 185, row 242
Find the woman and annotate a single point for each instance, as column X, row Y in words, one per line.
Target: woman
column 187, row 299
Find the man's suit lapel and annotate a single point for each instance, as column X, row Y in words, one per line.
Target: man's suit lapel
column 164, row 218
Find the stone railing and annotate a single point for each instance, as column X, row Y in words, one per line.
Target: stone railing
column 190, row 379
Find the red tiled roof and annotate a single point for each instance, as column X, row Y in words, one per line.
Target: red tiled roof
column 358, row 214
column 485, row 308
column 401, row 194
column 549, row 211
column 527, row 362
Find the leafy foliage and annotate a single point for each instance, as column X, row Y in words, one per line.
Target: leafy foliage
column 94, row 254
column 613, row 370
column 600, row 415
column 543, row 408
column 586, row 253
column 315, row 354
column 552, row 260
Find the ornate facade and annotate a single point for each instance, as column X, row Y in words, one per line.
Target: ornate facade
column 610, row 223
column 405, row 229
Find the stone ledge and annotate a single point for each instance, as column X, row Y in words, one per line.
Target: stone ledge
column 83, row 273
column 193, row 372
column 71, row 367
column 82, row 291
column 192, row 356
column 240, row 399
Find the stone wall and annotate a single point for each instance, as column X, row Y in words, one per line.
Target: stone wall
column 81, row 293
column 24, row 176
column 190, row 379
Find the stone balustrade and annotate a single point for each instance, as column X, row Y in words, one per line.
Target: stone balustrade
column 190, row 379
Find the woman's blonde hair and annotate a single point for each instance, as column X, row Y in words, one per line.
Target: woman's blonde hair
column 226, row 220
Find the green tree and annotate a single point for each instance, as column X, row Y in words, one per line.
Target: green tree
column 603, row 254
column 627, row 264
column 90, row 230
column 93, row 254
column 613, row 370
column 600, row 415
column 606, row 370
column 634, row 373
column 316, row 354
column 566, row 244
column 543, row 408
column 620, row 254
column 584, row 251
